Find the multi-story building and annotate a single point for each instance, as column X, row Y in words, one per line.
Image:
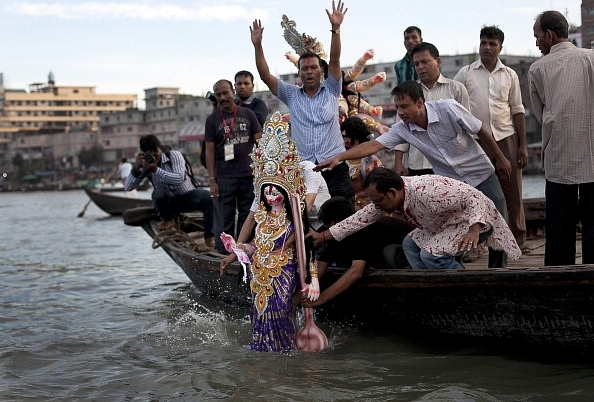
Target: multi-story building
column 588, row 24
column 40, row 123
column 176, row 119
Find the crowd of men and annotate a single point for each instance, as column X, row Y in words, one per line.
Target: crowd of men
column 460, row 149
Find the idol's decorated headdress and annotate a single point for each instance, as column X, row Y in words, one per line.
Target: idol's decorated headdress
column 301, row 43
column 276, row 160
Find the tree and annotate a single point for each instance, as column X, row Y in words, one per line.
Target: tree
column 18, row 161
column 90, row 157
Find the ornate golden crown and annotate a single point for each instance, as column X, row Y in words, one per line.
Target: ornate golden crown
column 301, row 43
column 276, row 160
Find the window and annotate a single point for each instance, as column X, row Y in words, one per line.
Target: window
column 589, row 10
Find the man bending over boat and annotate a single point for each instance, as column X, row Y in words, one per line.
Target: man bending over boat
column 443, row 132
column 451, row 218
column 358, row 250
column 173, row 190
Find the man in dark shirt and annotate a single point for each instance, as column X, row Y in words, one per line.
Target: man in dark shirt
column 405, row 68
column 363, row 248
column 244, row 89
column 230, row 134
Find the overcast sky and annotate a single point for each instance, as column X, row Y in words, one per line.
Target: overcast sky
column 130, row 45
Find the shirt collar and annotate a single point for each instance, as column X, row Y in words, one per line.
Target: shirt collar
column 322, row 86
column 560, row 46
column 479, row 63
column 431, row 118
column 441, row 80
column 164, row 158
column 248, row 100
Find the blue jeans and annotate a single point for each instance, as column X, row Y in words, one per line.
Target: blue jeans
column 169, row 205
column 566, row 204
column 236, row 194
column 419, row 258
column 492, row 189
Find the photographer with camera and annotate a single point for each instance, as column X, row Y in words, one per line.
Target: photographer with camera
column 173, row 190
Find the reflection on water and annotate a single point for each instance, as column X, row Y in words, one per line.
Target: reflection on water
column 533, row 186
column 91, row 312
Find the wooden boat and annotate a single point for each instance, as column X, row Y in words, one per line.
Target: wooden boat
column 524, row 303
column 116, row 202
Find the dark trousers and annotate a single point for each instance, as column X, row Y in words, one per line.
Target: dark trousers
column 339, row 182
column 236, row 195
column 419, row 172
column 169, row 205
column 566, row 205
column 492, row 189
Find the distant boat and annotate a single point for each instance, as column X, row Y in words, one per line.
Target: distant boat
column 115, row 202
column 525, row 303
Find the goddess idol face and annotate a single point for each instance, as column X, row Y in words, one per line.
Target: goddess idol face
column 273, row 196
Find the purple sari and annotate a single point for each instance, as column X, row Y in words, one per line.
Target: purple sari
column 273, row 281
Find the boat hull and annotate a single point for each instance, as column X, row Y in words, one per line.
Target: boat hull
column 545, row 306
column 115, row 204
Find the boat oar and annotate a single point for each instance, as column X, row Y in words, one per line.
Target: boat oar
column 310, row 338
column 81, row 213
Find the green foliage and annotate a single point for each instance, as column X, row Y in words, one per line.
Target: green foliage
column 91, row 157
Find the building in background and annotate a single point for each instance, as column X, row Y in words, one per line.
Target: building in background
column 587, row 31
column 52, row 123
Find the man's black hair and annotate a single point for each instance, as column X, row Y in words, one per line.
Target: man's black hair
column 335, row 209
column 384, row 179
column 412, row 89
column 413, row 28
column 492, row 32
column 149, row 143
column 420, row 47
column 355, row 129
column 244, row 73
column 308, row 55
column 556, row 22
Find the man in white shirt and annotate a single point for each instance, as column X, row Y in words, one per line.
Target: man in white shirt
column 495, row 99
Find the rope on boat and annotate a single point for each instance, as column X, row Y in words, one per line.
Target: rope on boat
column 182, row 239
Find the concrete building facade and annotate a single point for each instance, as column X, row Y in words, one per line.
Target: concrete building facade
column 38, row 123
column 588, row 24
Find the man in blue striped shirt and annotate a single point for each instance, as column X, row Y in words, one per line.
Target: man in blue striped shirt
column 443, row 131
column 313, row 107
column 173, row 189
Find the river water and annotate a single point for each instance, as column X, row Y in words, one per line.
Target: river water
column 89, row 311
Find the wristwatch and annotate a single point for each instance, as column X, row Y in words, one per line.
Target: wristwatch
column 335, row 31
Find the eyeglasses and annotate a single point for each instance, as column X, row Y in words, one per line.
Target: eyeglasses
column 379, row 201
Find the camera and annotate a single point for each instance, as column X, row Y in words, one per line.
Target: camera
column 149, row 157
column 211, row 97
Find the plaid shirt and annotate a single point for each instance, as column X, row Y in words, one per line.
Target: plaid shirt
column 405, row 70
column 171, row 174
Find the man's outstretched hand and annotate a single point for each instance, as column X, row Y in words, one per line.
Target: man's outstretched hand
column 328, row 164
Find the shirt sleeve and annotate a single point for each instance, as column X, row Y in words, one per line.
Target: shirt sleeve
column 362, row 218
column 178, row 170
column 464, row 118
column 261, row 111
column 535, row 98
column 391, row 139
column 515, row 94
